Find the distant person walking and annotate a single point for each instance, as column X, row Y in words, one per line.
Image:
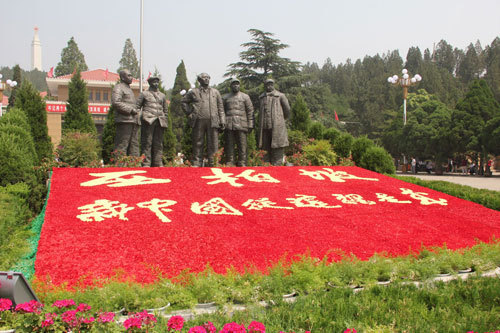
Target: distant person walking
column 413, row 165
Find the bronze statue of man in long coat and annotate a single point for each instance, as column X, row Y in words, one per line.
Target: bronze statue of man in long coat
column 273, row 135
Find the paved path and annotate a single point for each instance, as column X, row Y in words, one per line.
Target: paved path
column 490, row 183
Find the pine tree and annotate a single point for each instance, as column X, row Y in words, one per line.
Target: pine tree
column 129, row 59
column 77, row 116
column 261, row 60
column 176, row 113
column 71, row 58
column 28, row 99
column 16, row 77
column 301, row 117
column 108, row 136
column 169, row 141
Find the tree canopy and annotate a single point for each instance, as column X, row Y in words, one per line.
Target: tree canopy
column 129, row 59
column 71, row 59
column 77, row 116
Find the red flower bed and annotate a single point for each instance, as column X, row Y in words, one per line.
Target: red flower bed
column 171, row 219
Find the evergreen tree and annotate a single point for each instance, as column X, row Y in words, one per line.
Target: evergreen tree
column 108, row 136
column 413, row 60
column 71, row 59
column 28, row 99
column 77, row 116
column 261, row 60
column 169, row 141
column 16, row 77
column 472, row 115
column 492, row 64
column 176, row 113
column 469, row 67
column 129, row 59
column 445, row 57
column 301, row 117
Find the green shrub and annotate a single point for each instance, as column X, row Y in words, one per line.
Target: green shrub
column 331, row 135
column 25, row 139
column 297, row 140
column 320, row 153
column 359, row 147
column 14, row 216
column 342, row 145
column 16, row 163
column 17, row 117
column 377, row 159
column 79, row 149
column 316, row 130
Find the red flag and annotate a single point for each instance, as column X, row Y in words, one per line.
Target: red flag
column 336, row 116
column 106, row 74
column 51, row 72
column 148, row 76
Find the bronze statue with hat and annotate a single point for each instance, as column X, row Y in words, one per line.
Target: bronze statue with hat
column 273, row 113
column 154, row 120
column 239, row 122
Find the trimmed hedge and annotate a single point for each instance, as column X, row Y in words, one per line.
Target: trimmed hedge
column 486, row 198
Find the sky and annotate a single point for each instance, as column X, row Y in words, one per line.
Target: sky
column 208, row 35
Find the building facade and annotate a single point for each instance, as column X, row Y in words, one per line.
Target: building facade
column 99, row 83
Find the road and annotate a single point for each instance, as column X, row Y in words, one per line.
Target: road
column 490, row 183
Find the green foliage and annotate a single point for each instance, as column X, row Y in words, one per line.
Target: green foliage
column 487, row 198
column 36, row 77
column 79, row 149
column 261, row 60
column 377, row 159
column 175, row 109
column 71, row 59
column 359, row 147
column 14, row 215
column 316, row 131
column 301, row 117
column 297, row 141
column 108, row 136
column 120, row 160
column 129, row 59
column 187, row 140
column 16, row 163
column 342, row 145
column 16, row 77
column 320, row 153
column 16, row 117
column 77, row 116
column 169, row 142
column 331, row 135
column 28, row 99
column 24, row 140
column 471, row 115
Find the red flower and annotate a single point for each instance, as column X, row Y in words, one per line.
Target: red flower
column 30, row 307
column 256, row 327
column 5, row 304
column 233, row 328
column 106, row 317
column 197, row 329
column 175, row 323
column 64, row 303
column 82, row 307
column 49, row 319
column 209, row 326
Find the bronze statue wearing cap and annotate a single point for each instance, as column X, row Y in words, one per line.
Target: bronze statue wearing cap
column 154, row 121
column 205, row 110
column 127, row 119
column 239, row 122
column 273, row 135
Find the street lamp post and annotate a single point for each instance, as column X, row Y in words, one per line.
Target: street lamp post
column 405, row 81
column 3, row 86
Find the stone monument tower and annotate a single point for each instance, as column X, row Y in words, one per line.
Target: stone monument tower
column 36, row 52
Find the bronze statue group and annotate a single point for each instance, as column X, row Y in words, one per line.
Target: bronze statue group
column 208, row 113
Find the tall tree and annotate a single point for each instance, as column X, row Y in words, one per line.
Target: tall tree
column 492, row 64
column 108, row 136
column 28, row 99
column 469, row 67
column 71, row 59
column 444, row 56
column 77, row 116
column 301, row 117
column 414, row 60
column 471, row 116
column 261, row 60
column 129, row 59
column 177, row 115
column 16, row 77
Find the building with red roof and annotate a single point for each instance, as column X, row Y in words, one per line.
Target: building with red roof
column 99, row 83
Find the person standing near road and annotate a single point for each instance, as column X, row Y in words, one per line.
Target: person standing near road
column 413, row 165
